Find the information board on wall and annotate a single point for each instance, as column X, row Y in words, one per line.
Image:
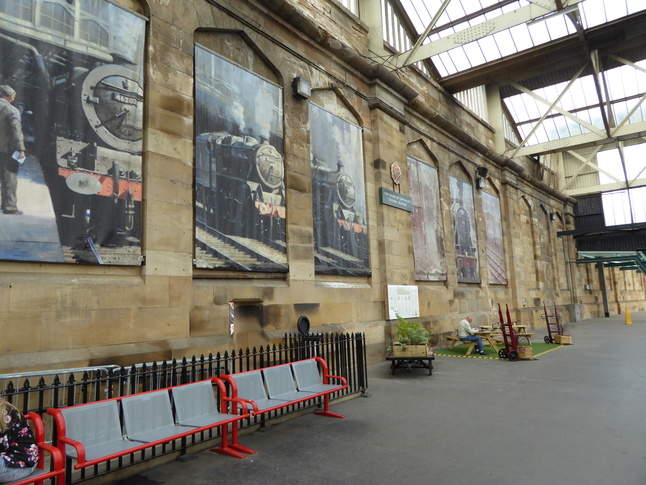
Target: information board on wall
column 402, row 300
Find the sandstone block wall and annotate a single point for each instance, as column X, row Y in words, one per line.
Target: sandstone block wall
column 55, row 316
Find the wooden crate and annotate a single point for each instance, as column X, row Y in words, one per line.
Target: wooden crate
column 563, row 339
column 525, row 353
column 410, row 350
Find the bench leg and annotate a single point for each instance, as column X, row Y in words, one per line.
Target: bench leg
column 235, row 449
column 326, row 409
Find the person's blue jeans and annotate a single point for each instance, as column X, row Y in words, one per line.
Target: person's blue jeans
column 8, row 474
column 474, row 338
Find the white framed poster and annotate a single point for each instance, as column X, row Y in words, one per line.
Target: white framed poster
column 402, row 300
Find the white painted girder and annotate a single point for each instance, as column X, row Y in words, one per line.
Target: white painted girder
column 538, row 8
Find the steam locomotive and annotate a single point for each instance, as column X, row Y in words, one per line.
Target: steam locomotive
column 466, row 252
column 240, row 188
column 339, row 226
column 97, row 187
column 81, row 93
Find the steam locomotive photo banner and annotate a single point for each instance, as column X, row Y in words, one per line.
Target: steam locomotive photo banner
column 495, row 246
column 239, row 168
column 77, row 71
column 338, row 195
column 428, row 241
column 466, row 243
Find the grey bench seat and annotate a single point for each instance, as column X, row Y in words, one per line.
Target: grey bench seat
column 148, row 417
column 282, row 385
column 94, row 433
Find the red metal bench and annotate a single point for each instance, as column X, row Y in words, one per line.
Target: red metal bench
column 56, row 465
column 283, row 385
column 94, row 432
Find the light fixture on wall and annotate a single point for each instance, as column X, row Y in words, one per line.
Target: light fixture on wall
column 301, row 88
column 481, row 177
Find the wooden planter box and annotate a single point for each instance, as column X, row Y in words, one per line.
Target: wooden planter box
column 525, row 353
column 563, row 339
column 410, row 350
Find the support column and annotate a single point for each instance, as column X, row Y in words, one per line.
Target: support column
column 387, row 111
column 495, row 116
column 604, row 292
column 370, row 13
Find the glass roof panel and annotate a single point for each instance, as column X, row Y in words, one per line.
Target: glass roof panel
column 610, row 161
column 455, row 10
column 539, row 33
column 460, row 59
column 559, row 27
column 635, row 165
column 593, row 13
column 505, row 43
column 560, row 126
column 489, row 49
column 567, row 101
column 521, row 38
column 634, row 5
column 447, row 63
column 474, row 52
column 624, row 84
column 616, row 11
column 534, row 111
column 617, row 84
column 620, row 110
column 574, row 127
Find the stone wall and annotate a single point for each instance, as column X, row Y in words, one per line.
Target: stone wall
column 56, row 316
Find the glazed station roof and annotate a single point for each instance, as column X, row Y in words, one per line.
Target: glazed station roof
column 570, row 74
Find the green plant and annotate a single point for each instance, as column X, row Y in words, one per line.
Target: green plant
column 412, row 333
column 565, row 327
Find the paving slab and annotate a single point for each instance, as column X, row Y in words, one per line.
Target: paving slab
column 572, row 416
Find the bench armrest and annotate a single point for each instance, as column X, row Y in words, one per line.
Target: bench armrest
column 240, row 402
column 342, row 379
column 39, row 430
column 56, row 456
column 78, row 446
column 247, row 401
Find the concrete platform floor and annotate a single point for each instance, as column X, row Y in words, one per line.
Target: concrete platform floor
column 574, row 416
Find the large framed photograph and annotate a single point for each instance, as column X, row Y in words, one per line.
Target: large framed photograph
column 428, row 241
column 239, row 168
column 338, row 195
column 466, row 242
column 77, row 72
column 495, row 244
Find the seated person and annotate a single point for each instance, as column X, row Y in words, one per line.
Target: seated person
column 18, row 448
column 468, row 334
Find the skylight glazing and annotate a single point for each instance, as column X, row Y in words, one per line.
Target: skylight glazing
column 462, row 14
column 625, row 86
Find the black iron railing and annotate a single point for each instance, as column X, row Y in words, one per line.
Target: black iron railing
column 37, row 391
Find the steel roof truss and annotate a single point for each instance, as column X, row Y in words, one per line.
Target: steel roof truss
column 552, row 106
column 483, row 29
column 606, row 114
column 633, row 130
column 422, row 37
column 587, row 162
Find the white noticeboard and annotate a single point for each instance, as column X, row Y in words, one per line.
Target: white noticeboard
column 402, row 300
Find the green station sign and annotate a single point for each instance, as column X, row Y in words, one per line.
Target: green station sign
column 394, row 199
